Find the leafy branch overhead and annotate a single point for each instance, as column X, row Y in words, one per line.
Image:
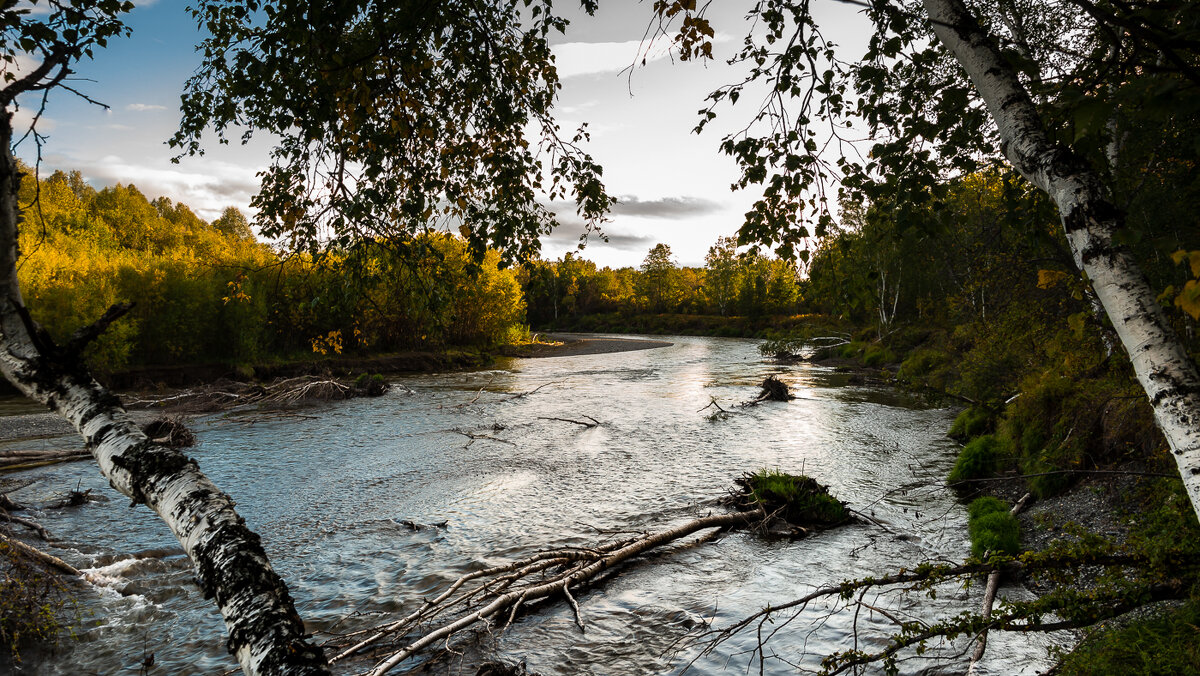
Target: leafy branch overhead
column 394, row 118
column 890, row 124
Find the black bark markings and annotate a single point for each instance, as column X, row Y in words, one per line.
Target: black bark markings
column 147, row 462
column 230, row 564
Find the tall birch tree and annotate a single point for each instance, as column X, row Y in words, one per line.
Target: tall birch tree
column 947, row 86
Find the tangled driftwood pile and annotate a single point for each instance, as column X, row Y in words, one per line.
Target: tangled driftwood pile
column 493, row 596
column 224, row 395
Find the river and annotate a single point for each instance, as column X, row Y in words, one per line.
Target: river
column 329, row 489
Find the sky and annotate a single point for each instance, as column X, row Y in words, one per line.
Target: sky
column 673, row 186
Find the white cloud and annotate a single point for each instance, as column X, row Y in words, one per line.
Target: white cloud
column 207, row 191
column 574, row 59
column 23, row 117
column 142, row 107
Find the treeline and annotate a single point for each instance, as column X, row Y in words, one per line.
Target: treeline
column 573, row 293
column 975, row 294
column 209, row 292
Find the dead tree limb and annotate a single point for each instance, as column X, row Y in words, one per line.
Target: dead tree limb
column 28, row 523
column 473, row 436
column 18, row 460
column 40, row 556
column 502, row 589
column 593, row 423
column 519, row 395
column 989, row 597
column 712, row 404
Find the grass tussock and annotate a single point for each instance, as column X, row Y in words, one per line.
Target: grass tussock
column 993, row 529
column 798, row 499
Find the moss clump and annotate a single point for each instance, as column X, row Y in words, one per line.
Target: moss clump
column 371, row 385
column 851, row 350
column 971, row 423
column 992, row 528
column 978, row 459
column 798, row 499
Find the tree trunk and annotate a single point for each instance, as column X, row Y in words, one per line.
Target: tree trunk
column 265, row 633
column 1089, row 219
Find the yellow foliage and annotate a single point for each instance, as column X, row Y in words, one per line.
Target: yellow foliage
column 1188, row 299
column 330, row 342
column 1048, row 279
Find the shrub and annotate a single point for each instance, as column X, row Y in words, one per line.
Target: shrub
column 877, row 355
column 1166, row 644
column 32, row 603
column 971, row 423
column 992, row 528
column 921, row 362
column 977, row 460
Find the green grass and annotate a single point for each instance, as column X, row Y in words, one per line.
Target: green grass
column 1166, row 645
column 971, row 423
column 992, row 528
column 978, row 459
column 802, row 499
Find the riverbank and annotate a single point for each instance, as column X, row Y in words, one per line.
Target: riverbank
column 572, row 345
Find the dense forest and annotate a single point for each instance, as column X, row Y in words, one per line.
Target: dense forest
column 209, row 292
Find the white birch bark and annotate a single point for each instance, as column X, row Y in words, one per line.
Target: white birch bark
column 1089, row 219
column 265, row 633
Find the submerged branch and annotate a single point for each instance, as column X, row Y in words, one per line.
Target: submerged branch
column 501, row 590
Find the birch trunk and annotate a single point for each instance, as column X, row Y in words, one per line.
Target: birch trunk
column 1089, row 220
column 265, row 633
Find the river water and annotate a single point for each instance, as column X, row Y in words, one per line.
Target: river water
column 330, row 486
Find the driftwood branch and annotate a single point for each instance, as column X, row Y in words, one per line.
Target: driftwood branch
column 718, row 406
column 519, row 395
column 473, row 436
column 12, row 461
column 41, row 557
column 593, row 423
column 498, row 592
column 28, row 523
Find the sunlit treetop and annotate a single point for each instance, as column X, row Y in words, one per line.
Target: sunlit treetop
column 394, row 118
